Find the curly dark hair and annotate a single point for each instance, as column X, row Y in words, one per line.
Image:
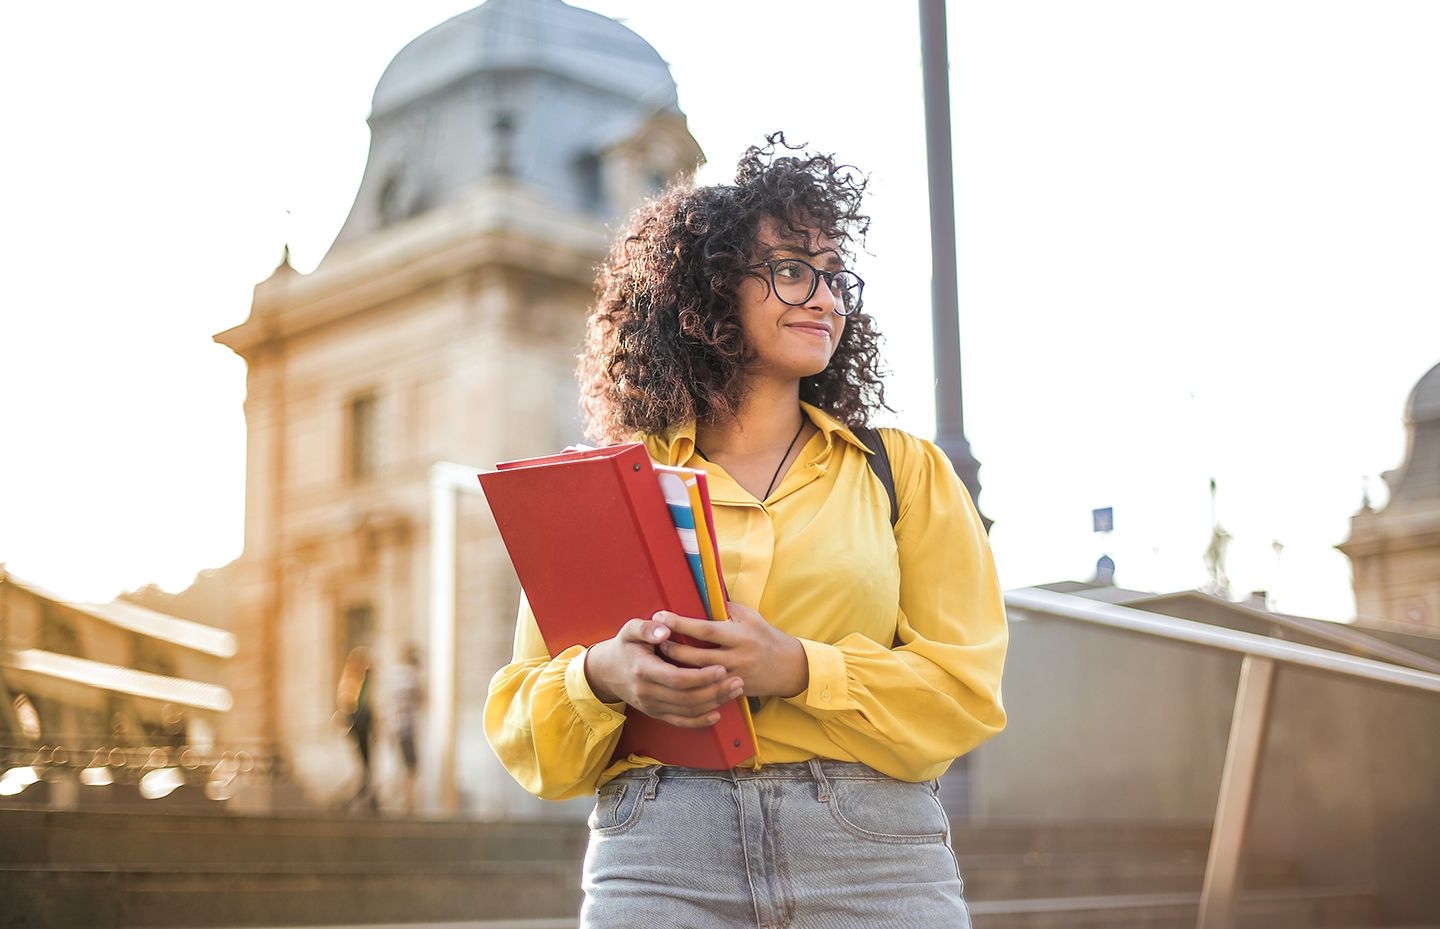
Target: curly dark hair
column 664, row 344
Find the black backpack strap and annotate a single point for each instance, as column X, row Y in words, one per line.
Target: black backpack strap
column 879, row 462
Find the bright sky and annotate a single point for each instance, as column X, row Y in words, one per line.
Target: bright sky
column 1195, row 240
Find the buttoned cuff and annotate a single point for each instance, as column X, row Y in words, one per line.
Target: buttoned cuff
column 829, row 686
column 603, row 718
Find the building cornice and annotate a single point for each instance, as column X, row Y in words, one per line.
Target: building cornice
column 496, row 225
column 1392, row 531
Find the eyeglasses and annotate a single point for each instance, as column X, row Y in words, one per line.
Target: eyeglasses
column 794, row 282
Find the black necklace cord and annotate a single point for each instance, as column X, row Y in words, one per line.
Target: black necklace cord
column 774, row 477
column 788, row 449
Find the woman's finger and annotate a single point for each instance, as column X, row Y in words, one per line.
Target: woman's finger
column 655, row 699
column 702, row 630
column 685, row 722
column 644, row 630
column 655, row 670
column 690, row 655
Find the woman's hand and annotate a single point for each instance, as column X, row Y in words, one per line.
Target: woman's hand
column 767, row 660
column 626, row 668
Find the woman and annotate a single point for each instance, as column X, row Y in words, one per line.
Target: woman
column 353, row 704
column 729, row 336
column 407, row 701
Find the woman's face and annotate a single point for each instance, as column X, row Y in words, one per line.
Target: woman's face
column 790, row 342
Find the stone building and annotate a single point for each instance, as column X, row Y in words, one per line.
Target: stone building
column 102, row 685
column 442, row 326
column 1396, row 550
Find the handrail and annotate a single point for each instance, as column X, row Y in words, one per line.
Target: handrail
column 1262, row 657
column 1129, row 619
column 1342, row 636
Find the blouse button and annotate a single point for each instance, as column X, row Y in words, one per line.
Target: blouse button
column 825, row 695
column 605, row 717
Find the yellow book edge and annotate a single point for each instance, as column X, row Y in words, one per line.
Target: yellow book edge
column 709, row 558
column 714, row 590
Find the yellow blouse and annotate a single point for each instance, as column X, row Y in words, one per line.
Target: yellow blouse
column 904, row 629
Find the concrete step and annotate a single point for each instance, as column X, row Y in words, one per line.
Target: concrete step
column 1076, row 873
column 1117, row 911
column 1006, row 877
column 995, row 838
column 1321, row 908
column 565, row 923
column 1309, row 908
column 160, row 899
column 125, row 839
column 205, row 869
column 569, row 923
column 132, row 838
column 249, row 896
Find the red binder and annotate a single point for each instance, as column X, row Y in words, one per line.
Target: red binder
column 592, row 542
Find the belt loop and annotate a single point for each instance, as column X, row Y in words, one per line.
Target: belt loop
column 822, row 786
column 652, row 782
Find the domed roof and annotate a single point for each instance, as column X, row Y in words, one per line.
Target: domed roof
column 1425, row 398
column 526, row 94
column 1417, row 480
column 545, row 35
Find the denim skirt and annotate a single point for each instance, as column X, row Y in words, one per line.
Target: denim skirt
column 812, row 845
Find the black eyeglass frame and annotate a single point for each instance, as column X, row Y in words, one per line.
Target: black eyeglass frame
column 815, row 284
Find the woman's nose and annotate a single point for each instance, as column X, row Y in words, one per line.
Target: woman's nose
column 823, row 298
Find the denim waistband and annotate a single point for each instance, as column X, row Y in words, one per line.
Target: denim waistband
column 817, row 769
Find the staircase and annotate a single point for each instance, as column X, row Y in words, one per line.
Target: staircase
column 1089, row 876
column 106, row 870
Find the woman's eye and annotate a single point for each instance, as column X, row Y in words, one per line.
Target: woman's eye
column 788, row 271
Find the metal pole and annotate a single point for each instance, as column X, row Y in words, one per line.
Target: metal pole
column 945, row 300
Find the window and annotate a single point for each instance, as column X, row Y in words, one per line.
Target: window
column 390, row 208
column 357, row 628
column 360, row 431
column 592, row 193
column 58, row 634
column 146, row 654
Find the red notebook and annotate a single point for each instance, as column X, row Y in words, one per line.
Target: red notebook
column 591, row 539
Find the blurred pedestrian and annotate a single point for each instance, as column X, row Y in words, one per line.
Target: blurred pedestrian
column 409, row 697
column 354, row 701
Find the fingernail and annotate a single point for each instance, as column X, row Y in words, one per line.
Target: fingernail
column 658, row 632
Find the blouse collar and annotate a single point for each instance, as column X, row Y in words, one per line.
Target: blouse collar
column 676, row 446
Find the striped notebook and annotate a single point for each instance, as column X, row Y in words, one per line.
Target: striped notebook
column 675, row 484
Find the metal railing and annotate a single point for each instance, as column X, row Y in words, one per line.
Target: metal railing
column 156, row 769
column 1248, row 723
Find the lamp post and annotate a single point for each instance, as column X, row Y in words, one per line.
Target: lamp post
column 945, row 301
